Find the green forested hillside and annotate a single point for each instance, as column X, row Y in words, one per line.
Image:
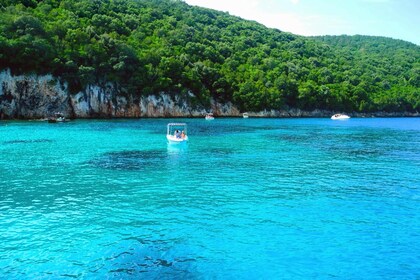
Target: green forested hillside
column 154, row 46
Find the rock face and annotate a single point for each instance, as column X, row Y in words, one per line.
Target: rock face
column 31, row 96
column 35, row 97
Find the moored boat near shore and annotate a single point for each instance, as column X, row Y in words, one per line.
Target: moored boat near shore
column 209, row 117
column 340, row 117
column 58, row 117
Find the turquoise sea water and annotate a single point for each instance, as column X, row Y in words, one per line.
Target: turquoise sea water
column 245, row 199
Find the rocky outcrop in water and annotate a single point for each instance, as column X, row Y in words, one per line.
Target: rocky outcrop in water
column 36, row 97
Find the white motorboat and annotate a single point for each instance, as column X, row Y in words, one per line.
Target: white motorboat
column 245, row 115
column 59, row 117
column 340, row 117
column 177, row 133
column 209, row 117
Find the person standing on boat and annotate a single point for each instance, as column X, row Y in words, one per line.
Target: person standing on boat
column 183, row 135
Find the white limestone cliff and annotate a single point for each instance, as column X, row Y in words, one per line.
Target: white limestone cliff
column 41, row 96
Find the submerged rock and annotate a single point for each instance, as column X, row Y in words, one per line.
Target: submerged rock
column 129, row 160
column 28, row 141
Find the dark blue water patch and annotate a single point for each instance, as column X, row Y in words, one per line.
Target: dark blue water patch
column 116, row 124
column 361, row 143
column 28, row 141
column 130, row 160
column 222, row 129
column 151, row 260
column 217, row 152
column 356, row 153
column 75, row 276
column 110, row 126
column 365, row 144
column 289, row 137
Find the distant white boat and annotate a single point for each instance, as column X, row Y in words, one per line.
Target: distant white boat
column 245, row 115
column 176, row 133
column 340, row 117
column 209, row 117
column 59, row 117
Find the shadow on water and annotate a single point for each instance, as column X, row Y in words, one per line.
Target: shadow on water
column 28, row 141
column 220, row 129
column 130, row 160
column 216, row 152
column 364, row 143
column 150, row 260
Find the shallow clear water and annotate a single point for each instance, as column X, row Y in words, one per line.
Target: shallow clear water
column 245, row 199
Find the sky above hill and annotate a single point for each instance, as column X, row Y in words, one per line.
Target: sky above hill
column 398, row 19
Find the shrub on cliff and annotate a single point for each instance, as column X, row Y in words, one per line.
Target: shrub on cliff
column 166, row 45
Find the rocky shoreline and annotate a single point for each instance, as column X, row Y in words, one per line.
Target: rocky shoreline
column 38, row 97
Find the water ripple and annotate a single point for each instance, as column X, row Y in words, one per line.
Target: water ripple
column 305, row 198
column 28, row 141
column 129, row 160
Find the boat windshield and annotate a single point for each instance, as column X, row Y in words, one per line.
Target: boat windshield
column 173, row 128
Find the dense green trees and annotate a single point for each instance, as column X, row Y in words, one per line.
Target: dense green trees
column 152, row 46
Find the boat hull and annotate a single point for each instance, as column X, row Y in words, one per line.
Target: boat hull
column 174, row 140
column 209, row 117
